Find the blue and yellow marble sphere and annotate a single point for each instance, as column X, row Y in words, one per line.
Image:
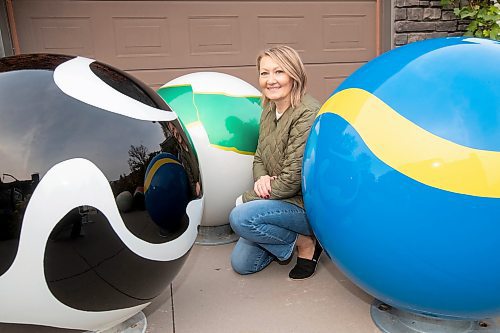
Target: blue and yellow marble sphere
column 401, row 177
column 166, row 191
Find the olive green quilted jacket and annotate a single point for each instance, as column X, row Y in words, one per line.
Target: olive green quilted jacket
column 280, row 150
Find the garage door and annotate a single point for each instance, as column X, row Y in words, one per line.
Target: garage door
column 157, row 41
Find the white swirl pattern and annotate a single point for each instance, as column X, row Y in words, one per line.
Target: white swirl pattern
column 75, row 78
column 67, row 185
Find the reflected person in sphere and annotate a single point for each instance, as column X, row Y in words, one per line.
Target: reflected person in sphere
column 271, row 221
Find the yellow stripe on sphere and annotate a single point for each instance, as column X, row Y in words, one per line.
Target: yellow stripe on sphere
column 415, row 152
column 154, row 168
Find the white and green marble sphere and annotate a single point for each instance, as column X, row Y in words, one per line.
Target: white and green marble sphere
column 221, row 114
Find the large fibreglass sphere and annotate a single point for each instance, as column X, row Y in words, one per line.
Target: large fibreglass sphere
column 79, row 246
column 221, row 113
column 401, row 177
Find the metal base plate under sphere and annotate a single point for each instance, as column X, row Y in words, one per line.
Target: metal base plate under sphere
column 136, row 324
column 216, row 235
column 392, row 320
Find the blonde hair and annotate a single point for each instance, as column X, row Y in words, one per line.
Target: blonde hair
column 289, row 60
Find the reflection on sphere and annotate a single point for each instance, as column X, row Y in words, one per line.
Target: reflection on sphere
column 76, row 139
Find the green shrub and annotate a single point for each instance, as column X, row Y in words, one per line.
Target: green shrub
column 484, row 16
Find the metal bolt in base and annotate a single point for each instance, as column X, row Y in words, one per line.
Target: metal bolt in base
column 216, row 235
column 392, row 320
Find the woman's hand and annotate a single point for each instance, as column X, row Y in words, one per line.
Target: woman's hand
column 262, row 186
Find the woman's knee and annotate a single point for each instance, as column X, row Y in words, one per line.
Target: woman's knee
column 239, row 263
column 238, row 267
column 237, row 219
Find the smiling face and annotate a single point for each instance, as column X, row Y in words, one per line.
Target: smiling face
column 275, row 84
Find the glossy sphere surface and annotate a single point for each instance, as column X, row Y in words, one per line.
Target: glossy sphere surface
column 402, row 177
column 166, row 191
column 76, row 138
column 221, row 114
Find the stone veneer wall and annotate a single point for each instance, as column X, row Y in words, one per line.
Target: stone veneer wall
column 416, row 20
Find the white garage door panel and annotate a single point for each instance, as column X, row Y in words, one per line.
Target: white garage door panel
column 160, row 40
column 161, row 34
column 68, row 31
column 323, row 79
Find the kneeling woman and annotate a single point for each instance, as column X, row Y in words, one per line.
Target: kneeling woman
column 272, row 220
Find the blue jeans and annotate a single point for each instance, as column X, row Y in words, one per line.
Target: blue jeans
column 268, row 229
